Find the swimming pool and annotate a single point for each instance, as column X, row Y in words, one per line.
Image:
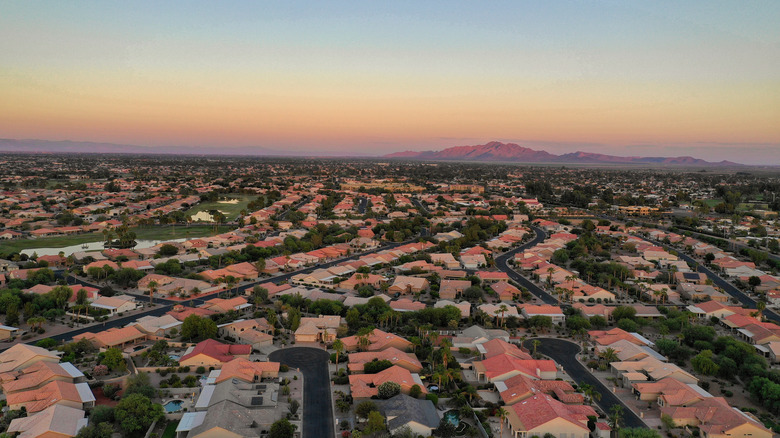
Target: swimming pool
column 173, row 406
column 452, row 417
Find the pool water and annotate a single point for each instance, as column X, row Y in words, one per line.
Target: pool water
column 452, row 417
column 173, row 406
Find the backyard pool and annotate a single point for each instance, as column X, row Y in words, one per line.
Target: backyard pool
column 452, row 417
column 173, row 406
column 175, row 357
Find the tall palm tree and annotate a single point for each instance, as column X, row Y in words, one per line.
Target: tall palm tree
column 338, row 347
column 536, row 343
column 760, row 306
column 550, row 272
column 502, row 309
column 152, row 289
column 501, row 413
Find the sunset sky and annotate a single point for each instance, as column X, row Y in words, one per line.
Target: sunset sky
column 622, row 77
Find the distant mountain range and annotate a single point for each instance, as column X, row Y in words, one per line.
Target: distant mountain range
column 497, row 151
column 82, row 147
column 494, row 151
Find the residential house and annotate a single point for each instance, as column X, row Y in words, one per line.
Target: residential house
column 20, row 356
column 716, row 419
column 320, row 329
column 541, row 415
column 420, row 416
column 378, row 340
column 56, row 421
column 503, row 366
column 114, row 337
column 397, row 357
column 212, row 353
column 408, row 285
column 365, row 386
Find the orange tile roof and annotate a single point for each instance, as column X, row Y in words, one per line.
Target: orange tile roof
column 217, row 350
column 39, row 399
column 247, row 370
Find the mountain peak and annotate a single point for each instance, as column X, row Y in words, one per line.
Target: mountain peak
column 512, row 152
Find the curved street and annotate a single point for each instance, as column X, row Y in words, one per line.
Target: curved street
column 565, row 353
column 317, row 411
column 723, row 284
column 503, row 265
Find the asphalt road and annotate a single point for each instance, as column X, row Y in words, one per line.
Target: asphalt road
column 564, row 352
column 362, row 205
column 501, row 263
column 317, row 411
column 723, row 284
column 420, row 205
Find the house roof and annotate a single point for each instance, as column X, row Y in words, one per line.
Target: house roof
column 20, row 354
column 367, row 385
column 246, row 370
column 540, row 409
column 404, row 409
column 58, row 419
column 503, row 364
column 36, row 374
column 52, row 393
column 217, row 350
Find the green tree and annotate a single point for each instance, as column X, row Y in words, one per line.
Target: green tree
column 704, row 364
column 364, row 408
column 135, row 413
column 638, row 432
column 96, row 430
column 282, row 429
column 598, row 321
column 621, row 312
column 196, row 328
column 114, row 359
column 376, row 423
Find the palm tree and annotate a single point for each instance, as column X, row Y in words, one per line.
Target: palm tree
column 760, row 306
column 502, row 309
column 536, row 343
column 590, row 392
column 445, row 351
column 152, row 289
column 501, row 413
column 550, row 272
column 338, row 347
column 616, row 417
column 609, row 355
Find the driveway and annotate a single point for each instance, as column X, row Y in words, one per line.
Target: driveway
column 313, row 363
column 564, row 353
column 502, row 264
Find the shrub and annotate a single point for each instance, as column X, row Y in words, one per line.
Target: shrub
column 99, row 370
column 202, row 370
column 284, row 368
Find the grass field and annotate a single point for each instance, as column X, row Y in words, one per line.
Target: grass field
column 170, row 430
column 230, row 210
column 148, row 233
column 712, row 202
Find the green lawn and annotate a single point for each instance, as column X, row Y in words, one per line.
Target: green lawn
column 230, row 210
column 148, row 233
column 712, row 202
column 170, row 430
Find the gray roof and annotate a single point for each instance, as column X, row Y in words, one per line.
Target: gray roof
column 237, row 419
column 403, row 409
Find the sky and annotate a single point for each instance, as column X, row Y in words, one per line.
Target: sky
column 660, row 78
